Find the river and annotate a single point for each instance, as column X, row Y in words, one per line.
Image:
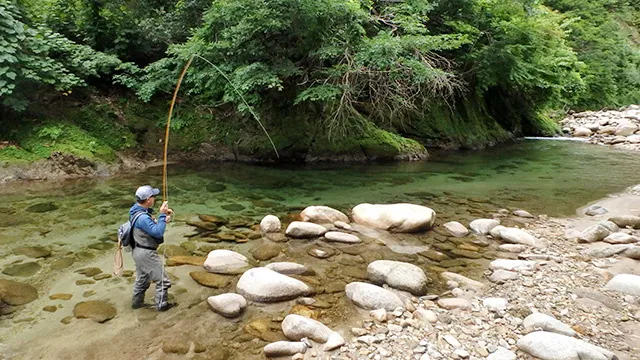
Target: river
column 75, row 221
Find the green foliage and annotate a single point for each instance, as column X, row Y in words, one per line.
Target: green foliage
column 601, row 35
column 35, row 56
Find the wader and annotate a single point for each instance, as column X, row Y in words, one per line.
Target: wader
column 149, row 268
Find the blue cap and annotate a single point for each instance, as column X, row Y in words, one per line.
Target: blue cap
column 145, row 192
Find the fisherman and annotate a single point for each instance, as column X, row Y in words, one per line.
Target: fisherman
column 148, row 234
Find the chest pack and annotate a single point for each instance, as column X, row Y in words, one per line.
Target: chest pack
column 125, row 231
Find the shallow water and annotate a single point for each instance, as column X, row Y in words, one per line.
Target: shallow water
column 77, row 219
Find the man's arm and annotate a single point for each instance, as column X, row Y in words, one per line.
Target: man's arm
column 146, row 224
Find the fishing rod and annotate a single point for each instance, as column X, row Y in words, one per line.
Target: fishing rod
column 173, row 102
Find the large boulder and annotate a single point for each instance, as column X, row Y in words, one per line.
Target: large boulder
column 270, row 224
column 265, row 285
column 402, row 218
column 625, row 283
column 551, row 346
column 626, row 220
column 323, row 215
column 297, row 327
column 483, row 226
column 399, row 275
column 300, row 229
column 228, row 305
column 16, row 293
column 456, row 229
column 607, row 251
column 97, row 311
column 372, row 297
column 223, row 261
column 519, row 236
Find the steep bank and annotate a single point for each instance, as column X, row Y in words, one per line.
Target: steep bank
column 92, row 135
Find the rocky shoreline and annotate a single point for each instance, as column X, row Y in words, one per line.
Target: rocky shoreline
column 617, row 129
column 558, row 289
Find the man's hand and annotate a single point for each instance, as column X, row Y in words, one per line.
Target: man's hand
column 169, row 215
column 164, row 208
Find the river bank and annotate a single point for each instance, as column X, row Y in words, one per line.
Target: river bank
column 560, row 280
column 616, row 129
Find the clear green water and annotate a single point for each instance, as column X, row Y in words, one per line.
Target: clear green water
column 550, row 177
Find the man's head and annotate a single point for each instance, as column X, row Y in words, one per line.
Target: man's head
column 146, row 196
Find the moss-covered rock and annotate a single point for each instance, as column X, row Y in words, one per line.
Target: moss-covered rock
column 33, row 251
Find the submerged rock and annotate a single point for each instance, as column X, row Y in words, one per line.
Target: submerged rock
column 266, row 251
column 97, row 311
column 265, row 285
column 595, row 210
column 42, row 207
column 210, row 280
column 403, row 218
column 62, row 263
column 15, row 293
column 32, row 251
column 22, row 270
column 186, row 260
column 323, row 215
column 399, row 275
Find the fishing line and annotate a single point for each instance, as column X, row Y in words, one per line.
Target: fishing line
column 165, row 192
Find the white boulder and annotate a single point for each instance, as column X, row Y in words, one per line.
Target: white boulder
column 483, row 226
column 519, row 236
column 625, row 283
column 284, row 348
column 287, row 268
column 403, row 218
column 547, row 323
column 300, row 229
column 225, row 262
column 228, row 305
column 371, row 297
column 456, row 229
column 399, row 275
column 341, row 237
column 265, row 285
column 551, row 346
column 270, row 224
column 297, row 327
column 323, row 215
